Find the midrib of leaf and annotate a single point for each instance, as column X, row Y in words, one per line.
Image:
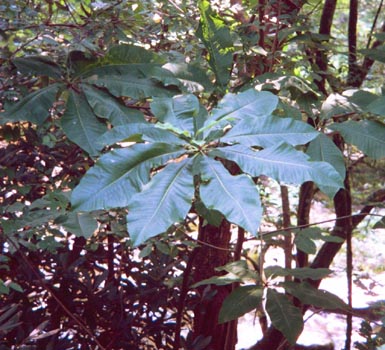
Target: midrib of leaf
column 269, row 160
column 223, row 117
column 138, row 162
column 209, row 34
column 81, row 121
column 367, row 135
column 229, row 194
column 99, row 69
column 283, row 313
column 169, row 187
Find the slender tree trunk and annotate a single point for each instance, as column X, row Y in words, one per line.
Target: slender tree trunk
column 321, row 57
column 353, row 75
column 306, row 195
column 213, row 252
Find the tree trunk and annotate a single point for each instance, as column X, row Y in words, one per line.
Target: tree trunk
column 213, row 252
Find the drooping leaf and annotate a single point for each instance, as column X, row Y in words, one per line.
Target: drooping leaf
column 362, row 98
column 171, row 192
column 34, row 107
column 117, row 175
column 315, row 233
column 236, row 197
column 129, row 70
column 140, row 132
column 126, row 53
column 234, row 107
column 219, row 280
column 79, row 62
column 216, row 37
column 300, row 272
column 312, row 296
column 15, row 286
column 106, row 106
column 380, row 223
column 130, row 85
column 192, row 76
column 304, row 243
column 237, row 271
column 268, row 131
column 80, row 224
column 81, row 125
column 240, row 301
column 213, row 217
column 323, row 149
column 337, row 104
column 37, row 65
column 284, row 315
column 284, row 164
column 179, row 111
column 377, row 106
column 240, row 269
column 377, row 54
column 367, row 135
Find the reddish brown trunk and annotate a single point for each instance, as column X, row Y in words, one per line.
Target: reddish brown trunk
column 213, row 252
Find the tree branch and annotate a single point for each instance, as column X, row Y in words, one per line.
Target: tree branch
column 353, row 75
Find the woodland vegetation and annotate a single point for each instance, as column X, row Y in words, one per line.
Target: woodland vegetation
column 152, row 152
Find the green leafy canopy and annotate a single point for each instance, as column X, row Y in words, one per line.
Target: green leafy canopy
column 182, row 159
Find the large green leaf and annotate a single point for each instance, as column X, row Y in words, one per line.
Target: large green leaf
column 242, row 300
column 216, row 36
column 236, row 197
column 315, row 233
column 33, row 107
column 117, row 175
column 268, row 131
column 180, row 111
column 128, row 70
column 367, row 135
column 124, row 59
column 223, row 280
column 284, row 164
column 212, row 217
column 132, row 54
column 284, row 315
column 323, row 149
column 312, row 296
column 300, row 272
column 165, row 200
column 106, row 106
column 81, row 124
column 304, row 243
column 363, row 99
column 192, row 76
column 141, row 132
column 234, row 107
column 80, row 224
column 377, row 106
column 237, row 271
column 37, row 65
column 130, row 85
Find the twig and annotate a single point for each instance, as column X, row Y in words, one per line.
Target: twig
column 374, row 24
column 182, row 298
